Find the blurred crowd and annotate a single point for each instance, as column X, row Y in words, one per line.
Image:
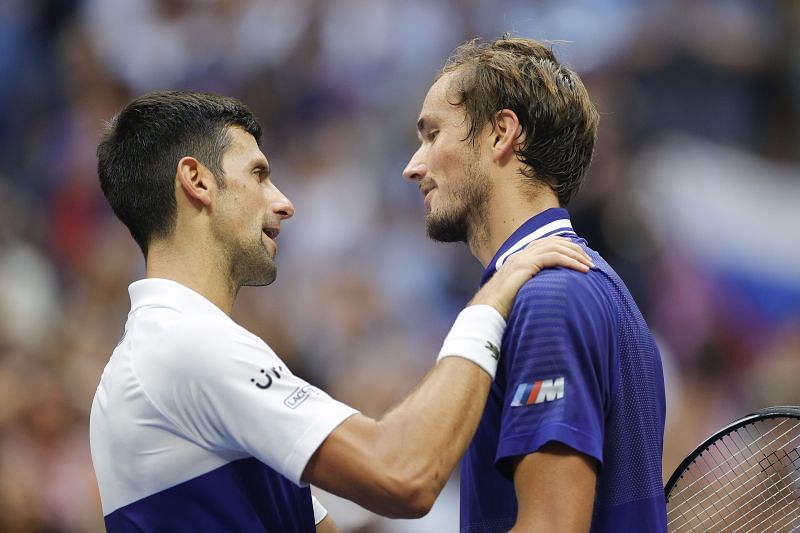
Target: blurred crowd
column 692, row 197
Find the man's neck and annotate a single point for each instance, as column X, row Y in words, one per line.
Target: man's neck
column 193, row 269
column 509, row 209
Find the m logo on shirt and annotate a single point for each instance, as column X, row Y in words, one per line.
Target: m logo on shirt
column 544, row 390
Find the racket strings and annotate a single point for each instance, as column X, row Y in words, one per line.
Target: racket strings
column 770, row 493
column 766, row 518
column 772, row 502
column 735, row 488
column 715, row 469
column 793, row 515
column 732, row 455
column 732, row 501
column 719, row 517
column 774, row 507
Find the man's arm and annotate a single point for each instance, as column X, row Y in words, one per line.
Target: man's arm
column 324, row 522
column 327, row 526
column 555, row 490
column 396, row 466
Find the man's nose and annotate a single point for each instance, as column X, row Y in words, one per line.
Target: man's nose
column 282, row 206
column 415, row 169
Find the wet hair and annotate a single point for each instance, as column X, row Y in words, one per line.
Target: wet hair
column 558, row 120
column 140, row 148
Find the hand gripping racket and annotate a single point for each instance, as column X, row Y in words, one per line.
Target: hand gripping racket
column 745, row 477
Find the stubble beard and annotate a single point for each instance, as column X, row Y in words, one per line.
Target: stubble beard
column 252, row 266
column 248, row 263
column 463, row 219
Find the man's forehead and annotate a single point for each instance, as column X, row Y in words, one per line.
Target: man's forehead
column 242, row 141
column 439, row 90
column 241, row 137
column 244, row 145
column 437, row 105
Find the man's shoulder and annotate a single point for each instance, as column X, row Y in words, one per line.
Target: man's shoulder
column 565, row 296
column 173, row 326
column 171, row 340
column 565, row 284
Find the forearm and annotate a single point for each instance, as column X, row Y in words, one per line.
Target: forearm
column 327, row 526
column 426, row 435
column 396, row 466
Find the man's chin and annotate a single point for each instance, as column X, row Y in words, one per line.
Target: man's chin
column 257, row 270
column 445, row 230
column 260, row 281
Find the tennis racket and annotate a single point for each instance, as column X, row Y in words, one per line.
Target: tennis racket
column 745, row 477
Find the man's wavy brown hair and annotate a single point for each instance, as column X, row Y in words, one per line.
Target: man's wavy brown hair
column 558, row 120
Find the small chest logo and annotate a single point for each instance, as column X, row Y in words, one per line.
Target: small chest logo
column 544, row 390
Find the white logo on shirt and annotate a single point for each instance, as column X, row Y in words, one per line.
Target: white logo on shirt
column 541, row 391
column 299, row 395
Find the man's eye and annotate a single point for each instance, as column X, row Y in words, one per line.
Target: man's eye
column 432, row 134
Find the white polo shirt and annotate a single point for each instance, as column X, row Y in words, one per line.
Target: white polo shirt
column 197, row 425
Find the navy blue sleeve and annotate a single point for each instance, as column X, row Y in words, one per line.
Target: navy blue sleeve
column 559, row 351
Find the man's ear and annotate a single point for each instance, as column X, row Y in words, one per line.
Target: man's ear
column 505, row 134
column 195, row 180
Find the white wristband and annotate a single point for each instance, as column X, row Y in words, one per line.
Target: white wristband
column 476, row 335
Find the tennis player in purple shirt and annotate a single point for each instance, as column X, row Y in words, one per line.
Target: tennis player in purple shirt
column 572, row 435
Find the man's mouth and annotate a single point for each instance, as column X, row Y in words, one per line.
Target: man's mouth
column 426, row 190
column 272, row 233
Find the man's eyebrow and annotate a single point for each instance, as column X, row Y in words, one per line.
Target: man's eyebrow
column 421, row 124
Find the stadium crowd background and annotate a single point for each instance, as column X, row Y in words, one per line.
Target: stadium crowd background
column 694, row 196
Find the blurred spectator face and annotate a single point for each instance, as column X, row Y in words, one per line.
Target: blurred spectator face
column 249, row 211
column 448, row 167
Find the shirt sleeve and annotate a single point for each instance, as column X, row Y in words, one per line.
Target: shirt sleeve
column 319, row 510
column 559, row 355
column 228, row 391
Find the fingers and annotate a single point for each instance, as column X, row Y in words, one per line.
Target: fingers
column 566, row 259
column 501, row 290
column 551, row 252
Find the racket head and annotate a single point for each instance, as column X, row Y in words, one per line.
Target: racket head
column 745, row 477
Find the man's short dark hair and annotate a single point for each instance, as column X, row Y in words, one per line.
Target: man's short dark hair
column 139, row 152
column 559, row 121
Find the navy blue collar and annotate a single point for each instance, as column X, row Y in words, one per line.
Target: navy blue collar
column 554, row 221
